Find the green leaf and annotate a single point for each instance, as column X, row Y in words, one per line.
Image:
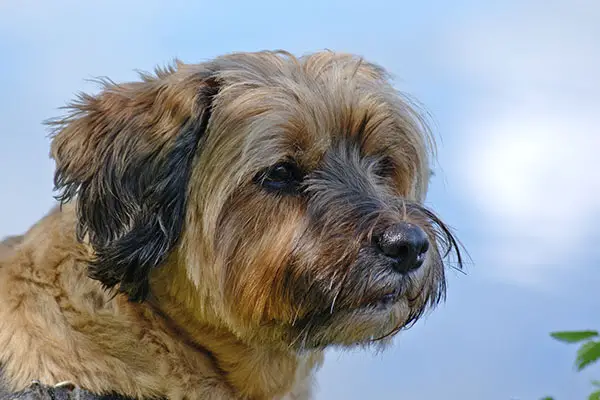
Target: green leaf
column 587, row 354
column 596, row 383
column 595, row 396
column 547, row 398
column 573, row 336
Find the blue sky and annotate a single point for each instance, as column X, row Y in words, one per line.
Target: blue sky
column 513, row 90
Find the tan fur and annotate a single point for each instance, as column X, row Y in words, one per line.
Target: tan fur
column 78, row 333
column 220, row 319
column 7, row 246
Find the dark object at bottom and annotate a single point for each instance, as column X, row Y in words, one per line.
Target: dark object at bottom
column 38, row 391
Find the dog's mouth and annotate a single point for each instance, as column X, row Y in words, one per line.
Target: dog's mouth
column 387, row 299
column 386, row 289
column 382, row 302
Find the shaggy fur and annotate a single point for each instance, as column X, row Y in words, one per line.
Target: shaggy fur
column 218, row 228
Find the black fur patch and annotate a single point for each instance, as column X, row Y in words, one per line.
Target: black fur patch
column 158, row 224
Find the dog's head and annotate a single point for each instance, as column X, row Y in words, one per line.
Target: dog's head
column 289, row 190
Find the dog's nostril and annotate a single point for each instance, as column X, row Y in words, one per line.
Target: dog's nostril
column 406, row 243
column 400, row 251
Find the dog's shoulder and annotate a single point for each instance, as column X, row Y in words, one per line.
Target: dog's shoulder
column 57, row 324
column 36, row 269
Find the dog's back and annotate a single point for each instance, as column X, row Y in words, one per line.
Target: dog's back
column 7, row 245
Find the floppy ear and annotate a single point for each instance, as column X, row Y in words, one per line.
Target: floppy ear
column 125, row 157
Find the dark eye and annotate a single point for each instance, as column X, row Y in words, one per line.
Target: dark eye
column 282, row 177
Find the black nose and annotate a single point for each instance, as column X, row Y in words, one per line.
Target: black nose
column 406, row 244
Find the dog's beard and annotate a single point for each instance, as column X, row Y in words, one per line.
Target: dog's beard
column 359, row 298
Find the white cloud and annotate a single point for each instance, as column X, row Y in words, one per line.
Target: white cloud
column 531, row 166
column 535, row 179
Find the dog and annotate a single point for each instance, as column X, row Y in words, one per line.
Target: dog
column 220, row 225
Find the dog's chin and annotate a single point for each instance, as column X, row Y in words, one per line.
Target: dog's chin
column 371, row 323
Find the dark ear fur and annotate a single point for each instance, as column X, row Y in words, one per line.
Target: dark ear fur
column 125, row 156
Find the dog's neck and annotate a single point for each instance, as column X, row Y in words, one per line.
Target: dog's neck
column 253, row 370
